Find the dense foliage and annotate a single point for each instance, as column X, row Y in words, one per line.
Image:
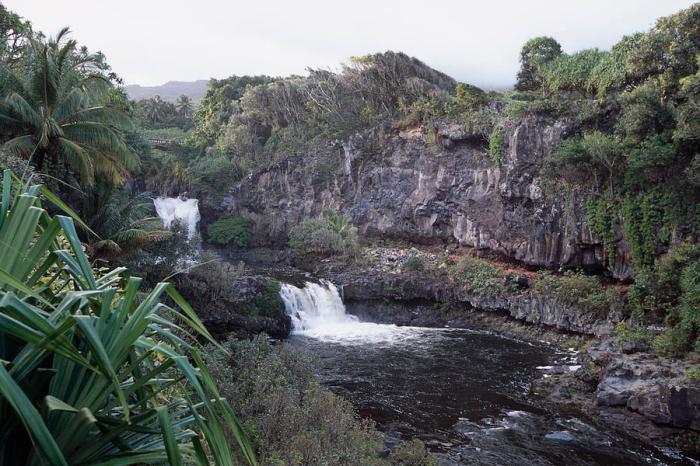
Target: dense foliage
column 633, row 151
column 89, row 372
column 330, row 234
column 293, row 419
column 231, row 230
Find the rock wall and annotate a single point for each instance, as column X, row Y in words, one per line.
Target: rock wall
column 426, row 188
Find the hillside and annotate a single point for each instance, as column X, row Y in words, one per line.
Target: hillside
column 169, row 91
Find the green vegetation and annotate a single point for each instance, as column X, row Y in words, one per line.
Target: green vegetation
column 415, row 264
column 268, row 302
column 477, row 275
column 579, row 290
column 632, row 152
column 294, row 420
column 411, row 453
column 331, row 234
column 497, row 145
column 231, row 230
column 89, row 372
column 629, row 334
column 58, row 116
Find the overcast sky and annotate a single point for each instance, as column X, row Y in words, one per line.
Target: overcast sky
column 150, row 42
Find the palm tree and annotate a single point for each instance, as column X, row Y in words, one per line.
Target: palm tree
column 123, row 220
column 155, row 109
column 57, row 115
column 184, row 105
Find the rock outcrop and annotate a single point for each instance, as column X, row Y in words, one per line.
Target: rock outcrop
column 427, row 188
column 379, row 275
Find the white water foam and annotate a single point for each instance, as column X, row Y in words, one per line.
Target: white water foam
column 317, row 311
column 186, row 210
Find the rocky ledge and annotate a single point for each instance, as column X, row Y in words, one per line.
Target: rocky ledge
column 643, row 395
column 381, row 273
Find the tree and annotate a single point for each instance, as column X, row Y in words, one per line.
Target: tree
column 535, row 53
column 56, row 117
column 122, row 219
column 155, row 109
column 15, row 34
column 572, row 72
column 184, row 106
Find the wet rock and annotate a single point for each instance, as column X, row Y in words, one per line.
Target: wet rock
column 561, row 436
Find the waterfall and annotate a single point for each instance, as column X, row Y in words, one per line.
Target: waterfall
column 186, row 210
column 314, row 306
column 317, row 311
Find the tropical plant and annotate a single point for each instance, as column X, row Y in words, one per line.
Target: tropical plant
column 89, row 367
column 231, row 229
column 184, row 106
column 57, row 116
column 330, row 234
column 535, row 53
column 122, row 219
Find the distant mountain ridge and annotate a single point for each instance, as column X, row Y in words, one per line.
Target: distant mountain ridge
column 169, row 91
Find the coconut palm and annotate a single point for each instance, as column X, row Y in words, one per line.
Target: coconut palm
column 184, row 105
column 56, row 116
column 155, row 109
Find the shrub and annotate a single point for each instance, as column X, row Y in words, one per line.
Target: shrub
column 331, row 234
column 682, row 332
column 577, row 289
column 268, row 302
column 496, row 145
column 632, row 334
column 477, row 275
column 294, row 420
column 212, row 174
column 414, row 263
column 412, row 453
column 231, row 230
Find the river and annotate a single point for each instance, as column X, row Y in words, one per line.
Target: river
column 464, row 393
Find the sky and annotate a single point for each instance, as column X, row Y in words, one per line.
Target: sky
column 149, row 42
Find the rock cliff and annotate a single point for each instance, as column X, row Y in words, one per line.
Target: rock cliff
column 429, row 187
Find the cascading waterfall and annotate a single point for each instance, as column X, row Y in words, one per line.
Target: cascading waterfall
column 185, row 210
column 317, row 311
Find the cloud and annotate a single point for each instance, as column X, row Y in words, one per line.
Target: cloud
column 152, row 41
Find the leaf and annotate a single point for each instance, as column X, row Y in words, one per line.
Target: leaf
column 31, row 419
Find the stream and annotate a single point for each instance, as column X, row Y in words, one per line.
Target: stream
column 464, row 393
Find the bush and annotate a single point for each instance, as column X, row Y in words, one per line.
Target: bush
column 633, row 334
column 682, row 332
column 496, row 145
column 268, row 302
column 414, row 263
column 231, row 230
column 331, row 234
column 293, row 419
column 412, row 453
column 478, row 275
column 577, row 289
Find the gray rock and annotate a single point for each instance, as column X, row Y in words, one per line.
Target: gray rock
column 395, row 184
column 561, row 436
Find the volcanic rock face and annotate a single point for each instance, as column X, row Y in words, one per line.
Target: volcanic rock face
column 440, row 187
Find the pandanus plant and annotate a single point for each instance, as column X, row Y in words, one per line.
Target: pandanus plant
column 90, row 368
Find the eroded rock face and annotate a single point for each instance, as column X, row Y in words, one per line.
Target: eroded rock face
column 433, row 188
column 654, row 387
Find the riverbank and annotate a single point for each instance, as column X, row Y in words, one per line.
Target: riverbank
column 639, row 394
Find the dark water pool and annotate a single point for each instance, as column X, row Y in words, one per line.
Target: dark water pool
column 466, row 395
